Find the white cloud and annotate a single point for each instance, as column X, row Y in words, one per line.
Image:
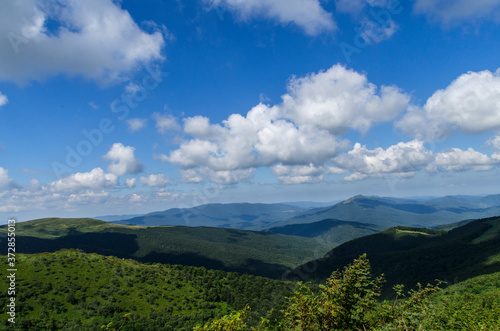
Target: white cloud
column 3, row 99
column 94, row 38
column 130, row 182
column 456, row 11
column 223, row 177
column 494, row 142
column 307, row 14
column 455, row 159
column 165, row 123
column 136, row 124
column 340, row 99
column 283, row 142
column 5, row 180
column 155, row 180
column 469, row 104
column 199, row 126
column 296, row 135
column 298, row 174
column 123, row 160
column 86, row 198
column 76, row 195
column 262, row 138
column 402, row 159
column 95, row 179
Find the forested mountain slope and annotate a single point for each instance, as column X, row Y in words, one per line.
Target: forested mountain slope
column 258, row 253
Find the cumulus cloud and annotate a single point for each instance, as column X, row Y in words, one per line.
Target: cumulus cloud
column 455, row 159
column 231, row 151
column 3, row 99
column 95, row 39
column 403, row 159
column 300, row 134
column 155, row 180
column 165, row 123
column 469, row 104
column 340, row 99
column 200, row 127
column 136, row 124
column 95, row 179
column 5, row 180
column 123, row 160
column 457, row 11
column 307, row 14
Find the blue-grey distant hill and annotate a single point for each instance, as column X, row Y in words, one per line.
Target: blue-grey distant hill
column 246, row 216
column 389, row 212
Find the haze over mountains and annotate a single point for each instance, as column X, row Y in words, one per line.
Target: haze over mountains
column 243, row 216
column 382, row 212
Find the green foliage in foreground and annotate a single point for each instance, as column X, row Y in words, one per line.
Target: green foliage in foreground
column 71, row 290
column 348, row 301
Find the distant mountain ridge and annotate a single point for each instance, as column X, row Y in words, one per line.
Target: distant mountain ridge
column 390, row 212
column 245, row 216
column 383, row 212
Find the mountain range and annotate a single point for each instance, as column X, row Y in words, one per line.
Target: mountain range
column 380, row 211
column 244, row 216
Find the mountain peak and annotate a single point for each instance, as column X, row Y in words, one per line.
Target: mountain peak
column 357, row 197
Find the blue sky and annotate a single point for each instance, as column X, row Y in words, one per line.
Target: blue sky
column 119, row 107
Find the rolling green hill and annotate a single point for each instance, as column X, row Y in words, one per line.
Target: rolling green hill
column 389, row 212
column 409, row 255
column 258, row 253
column 247, row 216
column 72, row 290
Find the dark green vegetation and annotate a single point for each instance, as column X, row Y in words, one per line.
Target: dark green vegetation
column 349, row 301
column 247, row 216
column 389, row 212
column 334, row 232
column 72, row 290
column 470, row 305
column 410, row 255
column 258, row 253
